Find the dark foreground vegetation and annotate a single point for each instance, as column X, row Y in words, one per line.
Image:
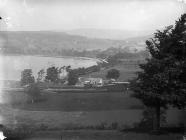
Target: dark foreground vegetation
column 161, row 83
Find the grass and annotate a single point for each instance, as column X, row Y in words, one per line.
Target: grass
column 71, row 110
column 100, row 135
column 74, row 110
column 76, row 101
column 127, row 72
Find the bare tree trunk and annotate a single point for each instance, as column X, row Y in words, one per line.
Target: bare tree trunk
column 156, row 119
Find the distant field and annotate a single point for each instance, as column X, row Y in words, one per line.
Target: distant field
column 127, row 72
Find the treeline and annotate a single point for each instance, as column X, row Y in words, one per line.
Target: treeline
column 57, row 75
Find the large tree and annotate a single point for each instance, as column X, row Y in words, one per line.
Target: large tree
column 33, row 91
column 27, row 77
column 162, row 81
column 72, row 77
column 52, row 74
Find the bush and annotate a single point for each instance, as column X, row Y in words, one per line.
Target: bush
column 34, row 92
column 72, row 78
column 113, row 74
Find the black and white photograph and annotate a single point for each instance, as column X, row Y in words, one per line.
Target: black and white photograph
column 92, row 69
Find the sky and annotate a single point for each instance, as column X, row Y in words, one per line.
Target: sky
column 29, row 15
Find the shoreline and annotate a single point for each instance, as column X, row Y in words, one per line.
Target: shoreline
column 75, row 57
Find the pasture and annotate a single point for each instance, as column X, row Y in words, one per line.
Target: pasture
column 53, row 101
column 127, row 71
column 101, row 135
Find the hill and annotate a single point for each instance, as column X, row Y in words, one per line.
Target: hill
column 109, row 33
column 56, row 43
column 127, row 70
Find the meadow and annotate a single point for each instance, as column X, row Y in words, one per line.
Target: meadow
column 74, row 111
column 127, row 71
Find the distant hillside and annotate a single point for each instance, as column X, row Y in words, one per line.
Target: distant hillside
column 109, row 33
column 56, row 43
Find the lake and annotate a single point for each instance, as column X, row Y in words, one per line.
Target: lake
column 12, row 65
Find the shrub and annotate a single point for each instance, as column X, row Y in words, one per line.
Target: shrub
column 34, row 92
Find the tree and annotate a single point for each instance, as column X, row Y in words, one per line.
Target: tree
column 113, row 74
column 33, row 91
column 52, row 74
column 26, row 77
column 162, row 79
column 40, row 75
column 72, row 77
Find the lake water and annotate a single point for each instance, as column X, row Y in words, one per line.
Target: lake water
column 11, row 66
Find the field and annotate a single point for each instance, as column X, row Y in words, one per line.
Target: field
column 127, row 71
column 74, row 111
column 69, row 109
column 78, row 102
column 103, row 135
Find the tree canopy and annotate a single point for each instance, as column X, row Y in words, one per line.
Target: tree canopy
column 113, row 74
column 52, row 74
column 72, row 77
column 26, row 77
column 162, row 80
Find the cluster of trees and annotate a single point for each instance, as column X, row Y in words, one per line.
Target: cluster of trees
column 53, row 74
column 162, row 81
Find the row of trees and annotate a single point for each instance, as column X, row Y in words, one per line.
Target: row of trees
column 162, row 81
column 52, row 75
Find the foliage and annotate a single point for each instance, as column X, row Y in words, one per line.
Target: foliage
column 147, row 120
column 72, row 78
column 26, row 77
column 40, row 75
column 52, row 74
column 113, row 74
column 33, row 91
column 162, row 81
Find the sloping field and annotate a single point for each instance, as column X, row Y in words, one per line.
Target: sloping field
column 127, row 72
column 52, row 101
column 75, row 111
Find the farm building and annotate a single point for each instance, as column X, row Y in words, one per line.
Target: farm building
column 91, row 81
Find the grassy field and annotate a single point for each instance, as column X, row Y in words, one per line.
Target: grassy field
column 76, row 101
column 74, row 111
column 127, row 71
column 103, row 135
